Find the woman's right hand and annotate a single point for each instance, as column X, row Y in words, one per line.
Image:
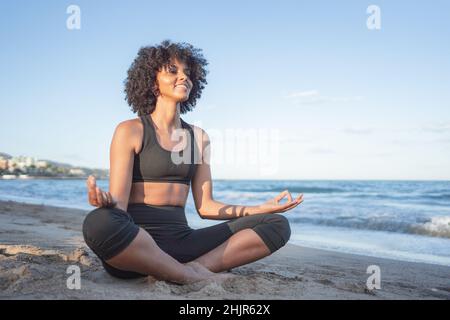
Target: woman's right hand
column 97, row 197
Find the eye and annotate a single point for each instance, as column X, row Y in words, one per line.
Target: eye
column 173, row 69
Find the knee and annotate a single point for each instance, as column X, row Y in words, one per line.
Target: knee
column 96, row 222
column 107, row 230
column 281, row 224
column 275, row 231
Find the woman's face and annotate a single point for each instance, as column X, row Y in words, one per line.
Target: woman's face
column 174, row 82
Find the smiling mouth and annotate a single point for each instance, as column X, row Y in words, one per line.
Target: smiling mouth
column 182, row 86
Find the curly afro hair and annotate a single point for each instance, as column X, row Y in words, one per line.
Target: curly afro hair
column 140, row 85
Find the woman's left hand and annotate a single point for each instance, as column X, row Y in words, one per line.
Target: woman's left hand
column 274, row 206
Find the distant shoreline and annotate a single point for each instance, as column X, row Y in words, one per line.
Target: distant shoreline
column 50, row 178
column 228, row 179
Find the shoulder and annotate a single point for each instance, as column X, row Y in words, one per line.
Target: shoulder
column 129, row 127
column 130, row 131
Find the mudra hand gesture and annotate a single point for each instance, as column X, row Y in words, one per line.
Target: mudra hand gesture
column 97, row 197
column 274, row 206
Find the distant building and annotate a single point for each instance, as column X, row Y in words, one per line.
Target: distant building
column 9, row 176
column 22, row 162
column 12, row 165
column 41, row 164
column 23, row 167
column 77, row 172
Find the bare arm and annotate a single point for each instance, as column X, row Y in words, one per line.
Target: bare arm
column 120, row 175
column 121, row 164
column 208, row 208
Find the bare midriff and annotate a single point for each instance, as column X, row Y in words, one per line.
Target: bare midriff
column 159, row 193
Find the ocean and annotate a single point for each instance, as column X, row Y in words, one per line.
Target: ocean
column 403, row 220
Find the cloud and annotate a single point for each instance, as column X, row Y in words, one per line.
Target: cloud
column 313, row 97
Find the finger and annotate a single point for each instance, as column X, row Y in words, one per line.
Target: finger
column 99, row 196
column 93, row 202
column 299, row 198
column 91, row 182
column 289, row 196
column 109, row 198
column 114, row 202
column 105, row 198
column 91, row 189
column 287, row 206
column 290, row 207
column 282, row 207
column 282, row 195
column 92, row 194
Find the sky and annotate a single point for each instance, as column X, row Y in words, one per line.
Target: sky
column 296, row 89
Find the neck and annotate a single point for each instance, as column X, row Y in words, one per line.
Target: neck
column 166, row 115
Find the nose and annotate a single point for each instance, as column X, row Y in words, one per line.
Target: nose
column 183, row 75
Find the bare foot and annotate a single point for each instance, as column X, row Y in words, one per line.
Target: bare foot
column 206, row 273
column 200, row 270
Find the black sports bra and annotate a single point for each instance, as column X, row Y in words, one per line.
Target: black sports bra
column 156, row 164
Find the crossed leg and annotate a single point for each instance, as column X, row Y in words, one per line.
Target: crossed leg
column 254, row 237
column 213, row 249
column 241, row 248
column 143, row 256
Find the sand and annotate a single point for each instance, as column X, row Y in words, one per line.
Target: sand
column 38, row 243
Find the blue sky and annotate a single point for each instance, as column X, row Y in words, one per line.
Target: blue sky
column 344, row 101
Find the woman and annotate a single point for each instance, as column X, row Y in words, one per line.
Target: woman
column 140, row 227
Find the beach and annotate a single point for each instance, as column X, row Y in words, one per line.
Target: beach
column 39, row 242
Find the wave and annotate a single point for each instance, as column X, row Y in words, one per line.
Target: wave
column 295, row 189
column 438, row 226
column 445, row 196
column 432, row 199
column 409, row 197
